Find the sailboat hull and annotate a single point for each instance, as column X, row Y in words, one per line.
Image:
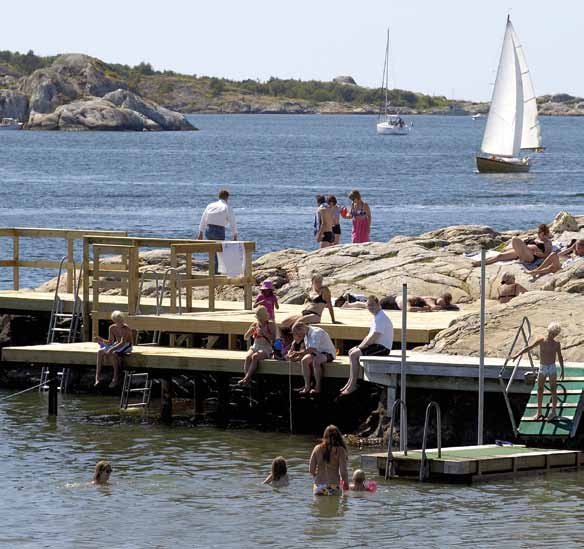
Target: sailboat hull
column 385, row 128
column 494, row 164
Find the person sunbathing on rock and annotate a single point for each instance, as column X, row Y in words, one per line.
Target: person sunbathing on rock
column 556, row 260
column 531, row 251
column 509, row 288
column 419, row 303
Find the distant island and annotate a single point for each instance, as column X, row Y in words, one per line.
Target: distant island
column 78, row 92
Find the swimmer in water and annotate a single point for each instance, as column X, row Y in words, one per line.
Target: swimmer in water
column 358, row 484
column 278, row 478
column 102, row 474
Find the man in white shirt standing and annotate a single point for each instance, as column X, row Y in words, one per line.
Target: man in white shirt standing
column 318, row 350
column 216, row 217
column 377, row 342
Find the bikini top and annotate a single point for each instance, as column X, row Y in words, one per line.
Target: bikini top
column 358, row 212
column 317, row 299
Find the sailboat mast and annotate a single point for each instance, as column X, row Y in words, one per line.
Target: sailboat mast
column 386, row 70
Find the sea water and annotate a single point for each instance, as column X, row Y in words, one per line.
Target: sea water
column 157, row 184
column 202, row 487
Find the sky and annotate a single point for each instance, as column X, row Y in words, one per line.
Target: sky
column 444, row 48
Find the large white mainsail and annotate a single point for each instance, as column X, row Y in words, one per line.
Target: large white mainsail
column 531, row 134
column 504, row 126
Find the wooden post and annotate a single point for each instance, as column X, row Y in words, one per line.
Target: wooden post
column 232, row 342
column 70, row 260
column 212, row 255
column 133, row 280
column 16, row 259
column 174, row 265
column 53, row 391
column 197, row 396
column 166, row 392
column 86, row 309
column 189, row 275
column 95, row 303
column 248, row 273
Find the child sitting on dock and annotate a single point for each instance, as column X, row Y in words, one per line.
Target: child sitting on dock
column 267, row 298
column 118, row 343
column 278, row 478
column 263, row 333
column 549, row 350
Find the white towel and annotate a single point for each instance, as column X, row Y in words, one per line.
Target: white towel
column 232, row 259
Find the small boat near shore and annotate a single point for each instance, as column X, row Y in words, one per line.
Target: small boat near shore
column 389, row 124
column 10, row 124
column 512, row 124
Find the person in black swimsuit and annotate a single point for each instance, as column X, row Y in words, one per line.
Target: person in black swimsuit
column 319, row 299
column 418, row 303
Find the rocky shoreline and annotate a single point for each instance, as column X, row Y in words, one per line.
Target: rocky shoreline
column 431, row 263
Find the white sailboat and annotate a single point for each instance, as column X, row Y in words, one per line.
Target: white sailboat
column 10, row 124
column 512, row 124
column 390, row 124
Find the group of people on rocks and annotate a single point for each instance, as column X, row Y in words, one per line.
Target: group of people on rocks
column 218, row 215
column 327, row 219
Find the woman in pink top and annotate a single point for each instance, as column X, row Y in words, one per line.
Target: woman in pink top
column 328, row 464
column 267, row 298
column 361, row 216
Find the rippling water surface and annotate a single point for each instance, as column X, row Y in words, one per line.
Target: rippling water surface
column 158, row 183
column 201, row 487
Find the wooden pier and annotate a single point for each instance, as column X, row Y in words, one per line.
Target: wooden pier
column 466, row 464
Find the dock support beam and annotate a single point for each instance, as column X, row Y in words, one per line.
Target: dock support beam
column 53, row 391
column 481, row 411
column 166, row 393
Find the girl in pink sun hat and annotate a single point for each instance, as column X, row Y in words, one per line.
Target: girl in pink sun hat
column 267, row 298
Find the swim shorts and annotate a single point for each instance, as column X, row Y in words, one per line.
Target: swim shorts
column 546, row 370
column 125, row 349
column 327, row 236
column 375, row 350
column 336, row 229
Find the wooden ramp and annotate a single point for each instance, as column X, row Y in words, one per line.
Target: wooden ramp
column 477, row 463
column 570, row 404
column 168, row 359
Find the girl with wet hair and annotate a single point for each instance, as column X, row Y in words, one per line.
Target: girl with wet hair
column 328, row 464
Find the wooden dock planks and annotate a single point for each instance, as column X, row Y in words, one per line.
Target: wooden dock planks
column 230, row 317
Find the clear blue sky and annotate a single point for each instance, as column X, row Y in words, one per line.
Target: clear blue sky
column 446, row 48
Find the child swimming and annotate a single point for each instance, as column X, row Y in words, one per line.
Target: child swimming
column 278, row 478
column 360, row 482
column 102, row 472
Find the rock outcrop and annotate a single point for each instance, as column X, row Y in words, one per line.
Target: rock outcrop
column 78, row 92
column 13, row 104
column 502, row 321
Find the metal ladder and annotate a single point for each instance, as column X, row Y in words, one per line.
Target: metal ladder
column 389, row 462
column 524, row 331
column 145, row 390
column 58, row 318
column 424, row 464
column 159, row 294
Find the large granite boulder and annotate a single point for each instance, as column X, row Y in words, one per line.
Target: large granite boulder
column 502, row 321
column 78, row 92
column 164, row 118
column 13, row 104
column 91, row 114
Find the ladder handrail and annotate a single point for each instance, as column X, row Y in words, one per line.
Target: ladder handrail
column 141, row 286
column 523, row 330
column 178, row 275
column 404, row 412
column 424, row 470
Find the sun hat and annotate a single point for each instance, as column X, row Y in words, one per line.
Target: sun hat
column 267, row 285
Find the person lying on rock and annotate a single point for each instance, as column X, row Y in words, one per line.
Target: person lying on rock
column 531, row 251
column 351, row 301
column 419, row 303
column 556, row 260
column 509, row 288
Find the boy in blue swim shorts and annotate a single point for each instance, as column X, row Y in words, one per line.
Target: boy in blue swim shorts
column 550, row 350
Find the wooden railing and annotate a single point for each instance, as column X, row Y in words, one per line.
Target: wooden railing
column 212, row 279
column 69, row 235
column 128, row 275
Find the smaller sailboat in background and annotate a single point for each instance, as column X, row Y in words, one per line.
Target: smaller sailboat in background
column 512, row 125
column 389, row 124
